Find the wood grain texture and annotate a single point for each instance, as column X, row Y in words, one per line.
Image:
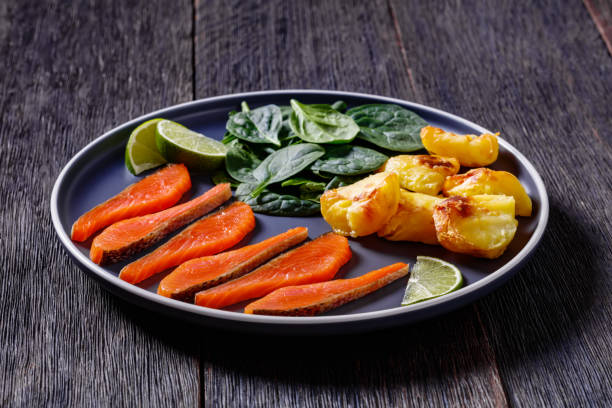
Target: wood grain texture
column 260, row 45
column 601, row 12
column 71, row 71
column 442, row 363
column 246, row 46
column 538, row 73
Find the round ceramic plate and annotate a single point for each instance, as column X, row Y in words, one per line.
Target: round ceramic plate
column 98, row 172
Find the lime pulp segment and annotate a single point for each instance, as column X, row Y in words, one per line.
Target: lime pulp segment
column 141, row 152
column 181, row 145
column 431, row 278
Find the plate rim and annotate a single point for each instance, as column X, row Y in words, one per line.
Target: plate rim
column 445, row 302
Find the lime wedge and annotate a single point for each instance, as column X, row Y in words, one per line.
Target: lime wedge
column 141, row 152
column 430, row 278
column 181, row 145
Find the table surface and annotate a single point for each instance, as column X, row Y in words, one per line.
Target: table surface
column 539, row 72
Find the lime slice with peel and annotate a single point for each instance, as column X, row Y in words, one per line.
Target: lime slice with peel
column 430, row 278
column 141, row 151
column 181, row 145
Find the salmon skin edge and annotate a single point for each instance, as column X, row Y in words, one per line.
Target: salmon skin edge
column 188, row 295
column 279, row 258
column 334, row 301
column 166, row 227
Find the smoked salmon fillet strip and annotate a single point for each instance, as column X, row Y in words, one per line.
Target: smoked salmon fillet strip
column 308, row 300
column 133, row 235
column 315, row 261
column 202, row 273
column 208, row 236
column 154, row 193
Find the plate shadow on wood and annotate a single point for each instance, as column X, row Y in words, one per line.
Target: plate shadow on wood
column 544, row 316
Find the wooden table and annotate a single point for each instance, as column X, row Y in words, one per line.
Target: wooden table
column 539, row 72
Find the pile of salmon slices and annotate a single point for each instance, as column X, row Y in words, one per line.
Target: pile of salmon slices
column 288, row 274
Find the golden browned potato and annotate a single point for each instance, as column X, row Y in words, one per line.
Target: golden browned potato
column 361, row 208
column 480, row 225
column 422, row 173
column 470, row 150
column 413, row 220
column 487, row 181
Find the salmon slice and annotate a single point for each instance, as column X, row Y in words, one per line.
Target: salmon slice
column 314, row 261
column 133, row 235
column 153, row 193
column 308, row 300
column 209, row 236
column 202, row 273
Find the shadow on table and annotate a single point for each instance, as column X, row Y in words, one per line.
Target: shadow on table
column 532, row 307
column 556, row 296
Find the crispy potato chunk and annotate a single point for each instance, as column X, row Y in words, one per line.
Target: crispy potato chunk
column 487, row 181
column 480, row 225
column 413, row 220
column 470, row 150
column 422, row 173
column 361, row 208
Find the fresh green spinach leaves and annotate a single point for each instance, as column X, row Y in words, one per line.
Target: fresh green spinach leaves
column 389, row 126
column 308, row 189
column 221, row 176
column 240, row 162
column 340, row 106
column 321, row 124
column 261, row 125
column 269, row 202
column 285, row 163
column 347, row 160
column 282, row 158
column 300, row 181
column 341, row 181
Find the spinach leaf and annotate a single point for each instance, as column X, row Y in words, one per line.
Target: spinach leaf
column 286, row 135
column 321, row 124
column 389, row 126
column 340, row 106
column 285, row 111
column 272, row 203
column 228, row 138
column 347, row 160
column 285, row 163
column 308, row 184
column 322, row 174
column 341, row 181
column 221, row 176
column 311, row 196
column 262, row 151
column 259, row 125
column 290, row 139
column 240, row 162
column 309, row 189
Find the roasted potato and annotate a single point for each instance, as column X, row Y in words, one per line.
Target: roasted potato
column 487, row 181
column 361, row 208
column 422, row 173
column 470, row 150
column 413, row 220
column 480, row 225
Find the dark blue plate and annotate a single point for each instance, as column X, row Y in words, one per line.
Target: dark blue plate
column 98, row 172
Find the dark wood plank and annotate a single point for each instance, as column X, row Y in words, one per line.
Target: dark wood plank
column 443, row 363
column 539, row 73
column 71, row 71
column 601, row 12
column 258, row 45
column 244, row 46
